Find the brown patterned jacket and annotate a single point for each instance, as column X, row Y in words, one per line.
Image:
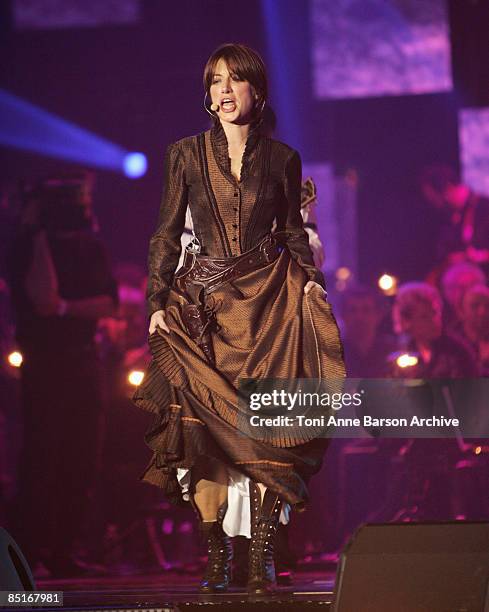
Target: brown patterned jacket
column 229, row 216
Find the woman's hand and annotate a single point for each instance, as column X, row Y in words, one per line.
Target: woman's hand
column 158, row 318
column 310, row 285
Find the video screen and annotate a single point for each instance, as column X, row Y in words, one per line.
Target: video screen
column 365, row 48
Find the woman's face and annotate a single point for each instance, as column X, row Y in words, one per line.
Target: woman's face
column 235, row 98
column 425, row 322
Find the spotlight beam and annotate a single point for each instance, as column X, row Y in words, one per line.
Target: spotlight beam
column 27, row 127
column 285, row 54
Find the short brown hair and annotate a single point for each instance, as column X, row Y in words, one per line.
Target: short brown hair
column 245, row 62
column 412, row 294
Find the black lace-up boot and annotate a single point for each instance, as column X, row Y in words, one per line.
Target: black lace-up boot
column 264, row 521
column 220, row 554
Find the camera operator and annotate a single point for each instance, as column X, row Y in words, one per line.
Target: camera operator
column 61, row 285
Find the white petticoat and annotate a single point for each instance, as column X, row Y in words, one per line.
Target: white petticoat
column 237, row 518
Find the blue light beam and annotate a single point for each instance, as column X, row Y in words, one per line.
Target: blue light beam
column 30, row 128
column 287, row 63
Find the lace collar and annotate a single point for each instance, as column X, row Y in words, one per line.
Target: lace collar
column 221, row 151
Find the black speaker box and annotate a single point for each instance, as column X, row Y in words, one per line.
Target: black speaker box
column 415, row 567
column 15, row 574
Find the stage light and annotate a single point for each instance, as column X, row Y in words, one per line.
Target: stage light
column 287, row 55
column 343, row 273
column 406, row 360
column 388, row 284
column 15, row 359
column 135, row 377
column 135, row 165
column 27, row 127
column 478, row 450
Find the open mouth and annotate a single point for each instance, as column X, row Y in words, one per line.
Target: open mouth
column 228, row 105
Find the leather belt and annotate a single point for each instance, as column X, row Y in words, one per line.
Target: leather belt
column 212, row 272
column 201, row 275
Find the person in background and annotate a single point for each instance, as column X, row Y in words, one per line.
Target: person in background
column 426, row 482
column 61, row 284
column 187, row 236
column 366, row 349
column 418, row 315
column 475, row 323
column 455, row 282
column 463, row 218
column 308, row 212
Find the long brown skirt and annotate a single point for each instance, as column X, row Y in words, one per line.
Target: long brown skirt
column 267, row 328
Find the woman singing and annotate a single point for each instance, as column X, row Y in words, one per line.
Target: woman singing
column 246, row 304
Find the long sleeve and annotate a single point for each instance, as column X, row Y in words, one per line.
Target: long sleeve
column 164, row 245
column 298, row 242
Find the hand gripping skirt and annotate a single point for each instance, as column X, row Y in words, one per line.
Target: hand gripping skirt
column 266, row 328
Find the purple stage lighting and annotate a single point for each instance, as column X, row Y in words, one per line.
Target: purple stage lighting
column 474, row 148
column 367, row 48
column 35, row 15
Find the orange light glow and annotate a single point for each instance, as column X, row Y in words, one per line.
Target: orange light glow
column 135, row 377
column 15, row 359
column 406, row 360
column 388, row 284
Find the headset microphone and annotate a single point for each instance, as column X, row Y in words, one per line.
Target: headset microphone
column 214, row 107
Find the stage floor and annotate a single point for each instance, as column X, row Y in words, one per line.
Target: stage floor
column 175, row 591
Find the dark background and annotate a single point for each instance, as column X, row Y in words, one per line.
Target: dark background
column 140, row 86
